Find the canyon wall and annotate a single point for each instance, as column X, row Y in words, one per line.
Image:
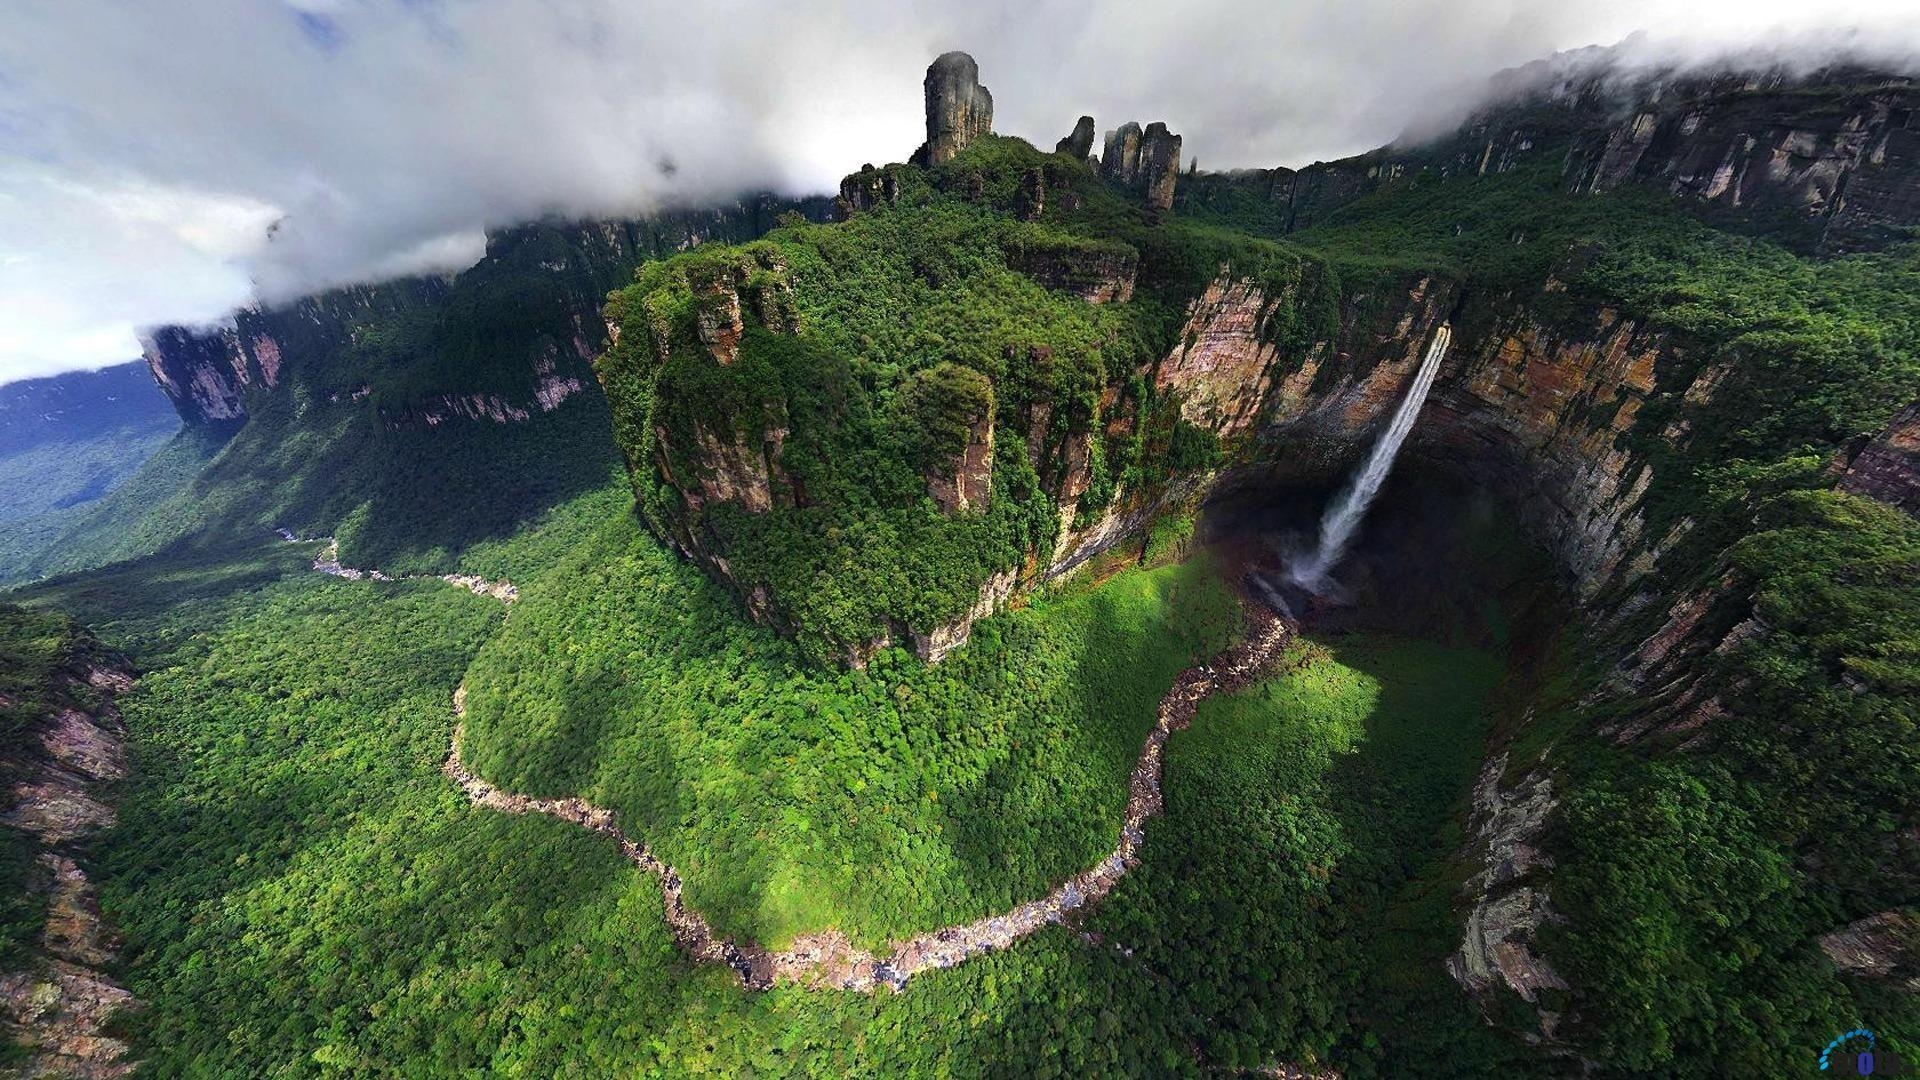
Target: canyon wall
column 1541, row 396
column 512, row 335
column 1828, row 163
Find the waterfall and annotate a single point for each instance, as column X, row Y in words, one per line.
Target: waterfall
column 1343, row 517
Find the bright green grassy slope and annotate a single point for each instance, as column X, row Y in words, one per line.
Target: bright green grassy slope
column 881, row 803
column 1297, row 812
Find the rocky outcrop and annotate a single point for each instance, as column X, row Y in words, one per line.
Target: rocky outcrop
column 56, row 1000
column 959, row 109
column 1509, row 904
column 739, row 470
column 716, row 301
column 866, row 190
column 1159, row 165
column 197, row 372
column 1885, row 945
column 964, row 484
column 1096, row 273
column 934, row 645
column 1078, row 144
column 1147, row 162
column 1120, row 155
column 1888, row 467
column 726, row 458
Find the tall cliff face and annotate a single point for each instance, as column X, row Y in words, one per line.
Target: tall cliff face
column 508, row 337
column 1536, row 403
column 1829, row 162
column 208, row 373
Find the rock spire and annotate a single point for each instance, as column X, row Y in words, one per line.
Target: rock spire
column 959, row 109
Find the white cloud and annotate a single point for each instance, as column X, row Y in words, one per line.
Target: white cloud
column 145, row 146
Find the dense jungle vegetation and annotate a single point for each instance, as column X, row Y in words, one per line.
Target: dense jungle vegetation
column 303, row 893
column 888, row 305
column 1712, row 868
column 880, row 802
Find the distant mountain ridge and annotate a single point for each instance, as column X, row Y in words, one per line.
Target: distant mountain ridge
column 78, row 405
column 66, row 442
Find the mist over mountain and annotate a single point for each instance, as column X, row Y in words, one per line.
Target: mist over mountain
column 272, row 149
column 1389, row 550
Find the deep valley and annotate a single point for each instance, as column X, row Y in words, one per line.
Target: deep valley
column 881, row 634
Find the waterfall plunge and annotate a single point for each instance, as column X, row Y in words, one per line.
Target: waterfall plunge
column 1309, row 571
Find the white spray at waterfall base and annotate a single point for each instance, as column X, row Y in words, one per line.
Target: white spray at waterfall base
column 1310, row 570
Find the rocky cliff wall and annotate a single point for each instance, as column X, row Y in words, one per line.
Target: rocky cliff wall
column 1887, row 468
column 1539, row 403
column 534, row 301
column 57, row 995
column 1828, row 162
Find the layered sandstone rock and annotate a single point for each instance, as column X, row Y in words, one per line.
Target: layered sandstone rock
column 1219, row 368
column 1888, row 467
column 959, row 109
column 1509, row 906
column 57, row 1001
column 965, row 484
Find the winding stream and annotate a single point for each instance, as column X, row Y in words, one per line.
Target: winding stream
column 828, row 959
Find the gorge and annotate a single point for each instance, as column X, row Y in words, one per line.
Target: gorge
column 1344, row 514
column 875, row 562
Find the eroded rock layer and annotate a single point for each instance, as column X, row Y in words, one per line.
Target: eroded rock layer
column 56, row 998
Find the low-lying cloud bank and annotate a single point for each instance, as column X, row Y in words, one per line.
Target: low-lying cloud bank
column 168, row 162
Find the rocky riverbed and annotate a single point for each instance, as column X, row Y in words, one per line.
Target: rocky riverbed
column 828, row 960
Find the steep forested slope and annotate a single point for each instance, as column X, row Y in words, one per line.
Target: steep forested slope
column 67, row 441
column 1646, row 812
